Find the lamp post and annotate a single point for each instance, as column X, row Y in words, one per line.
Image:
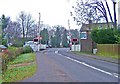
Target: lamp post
column 114, row 7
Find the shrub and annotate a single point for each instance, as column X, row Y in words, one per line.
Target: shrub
column 10, row 55
column 104, row 36
column 118, row 36
column 27, row 49
column 4, row 62
column 19, row 44
column 4, row 42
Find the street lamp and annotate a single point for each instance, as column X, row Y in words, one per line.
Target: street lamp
column 114, row 7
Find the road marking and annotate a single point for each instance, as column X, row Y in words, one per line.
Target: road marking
column 116, row 75
column 56, row 52
column 85, row 64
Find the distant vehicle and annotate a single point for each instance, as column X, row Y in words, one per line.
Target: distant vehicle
column 29, row 43
column 47, row 46
column 32, row 44
column 50, row 46
column 42, row 46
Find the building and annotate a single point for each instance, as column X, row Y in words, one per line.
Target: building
column 0, row 31
column 119, row 15
column 87, row 45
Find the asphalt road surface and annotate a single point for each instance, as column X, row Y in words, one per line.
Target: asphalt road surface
column 60, row 65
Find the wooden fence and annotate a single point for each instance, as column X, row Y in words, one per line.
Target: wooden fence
column 109, row 50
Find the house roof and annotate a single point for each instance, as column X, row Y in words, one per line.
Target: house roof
column 95, row 25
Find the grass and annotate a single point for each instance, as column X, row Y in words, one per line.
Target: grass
column 21, row 72
column 24, row 58
column 0, row 78
column 113, row 57
column 110, row 56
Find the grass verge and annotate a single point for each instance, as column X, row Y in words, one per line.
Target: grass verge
column 0, row 78
column 24, row 58
column 89, row 53
column 21, row 72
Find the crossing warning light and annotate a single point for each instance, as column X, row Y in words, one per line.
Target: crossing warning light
column 75, row 40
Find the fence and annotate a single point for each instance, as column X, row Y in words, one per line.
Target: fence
column 109, row 50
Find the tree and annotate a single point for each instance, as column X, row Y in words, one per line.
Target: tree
column 64, row 39
column 57, row 37
column 32, row 32
column 91, row 10
column 26, row 21
column 45, row 36
column 5, row 22
column 13, row 32
column 22, row 20
column 29, row 24
column 53, row 41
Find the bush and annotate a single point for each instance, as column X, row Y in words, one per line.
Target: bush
column 27, row 49
column 10, row 55
column 4, row 42
column 104, row 36
column 19, row 44
column 118, row 36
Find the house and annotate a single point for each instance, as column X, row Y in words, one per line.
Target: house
column 0, row 31
column 87, row 45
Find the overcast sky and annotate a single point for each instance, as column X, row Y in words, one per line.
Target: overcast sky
column 53, row 12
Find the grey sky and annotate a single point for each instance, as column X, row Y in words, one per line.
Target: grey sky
column 53, row 12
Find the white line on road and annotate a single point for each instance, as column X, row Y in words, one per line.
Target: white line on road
column 85, row 64
column 56, row 52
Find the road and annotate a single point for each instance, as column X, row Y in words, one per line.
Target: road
column 60, row 65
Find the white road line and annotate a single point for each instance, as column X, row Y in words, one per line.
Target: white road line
column 56, row 52
column 83, row 63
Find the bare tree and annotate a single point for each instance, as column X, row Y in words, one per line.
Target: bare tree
column 91, row 10
column 32, row 32
column 13, row 31
column 27, row 23
column 22, row 20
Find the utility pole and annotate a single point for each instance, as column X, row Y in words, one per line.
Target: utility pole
column 39, row 41
column 39, row 26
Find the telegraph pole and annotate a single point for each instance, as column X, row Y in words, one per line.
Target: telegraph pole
column 39, row 41
column 39, row 27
